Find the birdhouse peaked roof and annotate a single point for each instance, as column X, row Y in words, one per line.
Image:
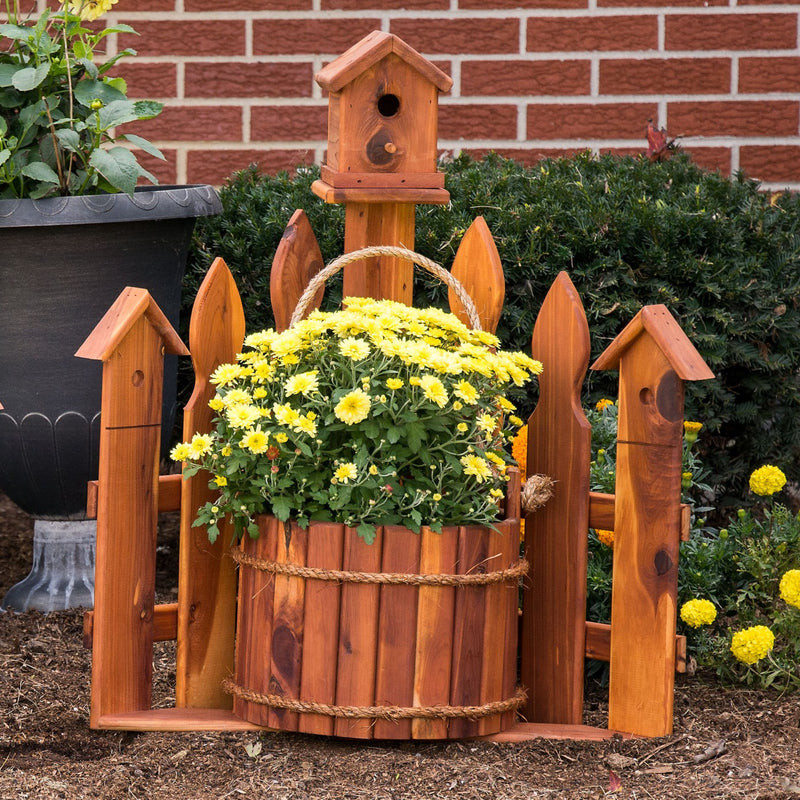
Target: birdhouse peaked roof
column 368, row 52
column 657, row 321
column 126, row 310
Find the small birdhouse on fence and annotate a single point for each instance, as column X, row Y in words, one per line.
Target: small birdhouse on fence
column 382, row 118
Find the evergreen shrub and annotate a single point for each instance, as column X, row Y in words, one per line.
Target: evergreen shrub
column 722, row 255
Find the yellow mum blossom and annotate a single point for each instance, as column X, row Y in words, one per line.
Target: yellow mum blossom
column 434, row 390
column 256, row 441
column 790, row 587
column 486, row 422
column 462, row 427
column 286, row 415
column 305, row 425
column 220, row 480
column 394, row 383
column 752, row 644
column 281, row 437
column 466, row 391
column 303, row 383
column 180, row 452
column 225, row 374
column 353, row 407
column 226, row 451
column 216, row 403
column 698, row 612
column 261, row 340
column 236, row 397
column 199, row 445
column 477, row 466
column 767, row 480
column 346, row 472
column 242, row 415
column 355, row 349
column 505, row 403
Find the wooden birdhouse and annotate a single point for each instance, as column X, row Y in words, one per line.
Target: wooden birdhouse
column 382, row 121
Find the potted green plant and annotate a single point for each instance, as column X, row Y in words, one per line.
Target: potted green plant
column 74, row 230
column 369, row 440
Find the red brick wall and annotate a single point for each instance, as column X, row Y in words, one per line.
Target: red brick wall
column 531, row 77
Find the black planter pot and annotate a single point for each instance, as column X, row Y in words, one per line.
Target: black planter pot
column 63, row 262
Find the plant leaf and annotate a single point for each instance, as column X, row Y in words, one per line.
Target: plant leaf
column 39, row 171
column 87, row 91
column 118, row 166
column 143, row 144
column 28, row 78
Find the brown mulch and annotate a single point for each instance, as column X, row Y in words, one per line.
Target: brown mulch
column 728, row 743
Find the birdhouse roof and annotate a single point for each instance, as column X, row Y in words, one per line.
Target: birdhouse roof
column 368, row 52
column 657, row 321
column 116, row 323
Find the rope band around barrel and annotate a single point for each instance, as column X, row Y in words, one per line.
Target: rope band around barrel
column 513, row 572
column 377, row 712
column 385, row 250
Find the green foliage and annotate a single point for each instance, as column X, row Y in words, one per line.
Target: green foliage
column 722, row 256
column 60, row 110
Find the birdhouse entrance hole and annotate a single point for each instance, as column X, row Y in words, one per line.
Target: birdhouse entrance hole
column 388, row 105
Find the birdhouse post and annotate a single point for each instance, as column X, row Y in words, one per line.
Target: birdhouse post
column 654, row 358
column 382, row 153
column 130, row 340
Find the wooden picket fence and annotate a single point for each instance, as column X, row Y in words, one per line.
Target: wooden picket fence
column 654, row 359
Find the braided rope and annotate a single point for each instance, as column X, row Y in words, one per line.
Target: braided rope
column 376, row 712
column 386, row 250
column 409, row 579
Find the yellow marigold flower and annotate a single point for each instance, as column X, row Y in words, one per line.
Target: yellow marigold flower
column 242, row 415
column 346, row 472
column 256, row 441
column 466, row 392
column 603, row 404
column 353, row 407
column 434, row 390
column 220, row 480
column 477, row 466
column 394, row 383
column 180, row 452
column 606, row 537
column 698, row 612
column 90, row 10
column 790, row 587
column 767, row 480
column 752, row 644
column 303, row 383
column 690, row 431
column 355, row 349
column 200, row 445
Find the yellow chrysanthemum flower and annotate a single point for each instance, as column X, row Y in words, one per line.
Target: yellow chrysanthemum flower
column 220, row 480
column 434, row 390
column 355, row 349
column 486, row 422
column 256, row 441
column 199, row 445
column 752, row 644
column 216, row 403
column 303, row 383
column 690, row 431
column 225, row 374
column 285, row 415
column 242, row 415
column 394, row 383
column 346, row 472
column 180, row 452
column 466, row 391
column 353, row 407
column 477, row 466
column 790, row 587
column 698, row 612
column 767, row 480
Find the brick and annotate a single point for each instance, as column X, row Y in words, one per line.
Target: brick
column 371, row 5
column 766, row 2
column 269, row 79
column 187, row 38
column 216, row 166
column 482, row 5
column 771, row 162
column 248, row 5
column 504, row 78
column 149, row 5
column 284, row 123
column 148, row 80
column 193, row 124
column 761, row 74
column 659, row 3
column 580, row 34
column 463, row 35
column 731, row 31
column 711, row 158
column 475, row 121
column 315, row 36
column 665, row 76
column 165, row 171
column 589, row 121
column 526, row 156
column 734, row 118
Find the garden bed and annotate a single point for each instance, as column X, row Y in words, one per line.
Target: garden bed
column 727, row 743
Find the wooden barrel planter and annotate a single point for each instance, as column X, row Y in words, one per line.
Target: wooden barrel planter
column 411, row 637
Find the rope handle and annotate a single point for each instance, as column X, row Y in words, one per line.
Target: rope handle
column 385, row 250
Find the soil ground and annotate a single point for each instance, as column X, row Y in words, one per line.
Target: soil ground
column 727, row 743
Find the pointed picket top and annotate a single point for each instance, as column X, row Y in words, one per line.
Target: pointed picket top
column 368, row 52
column 116, row 323
column 297, row 260
column 657, row 321
column 478, row 268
